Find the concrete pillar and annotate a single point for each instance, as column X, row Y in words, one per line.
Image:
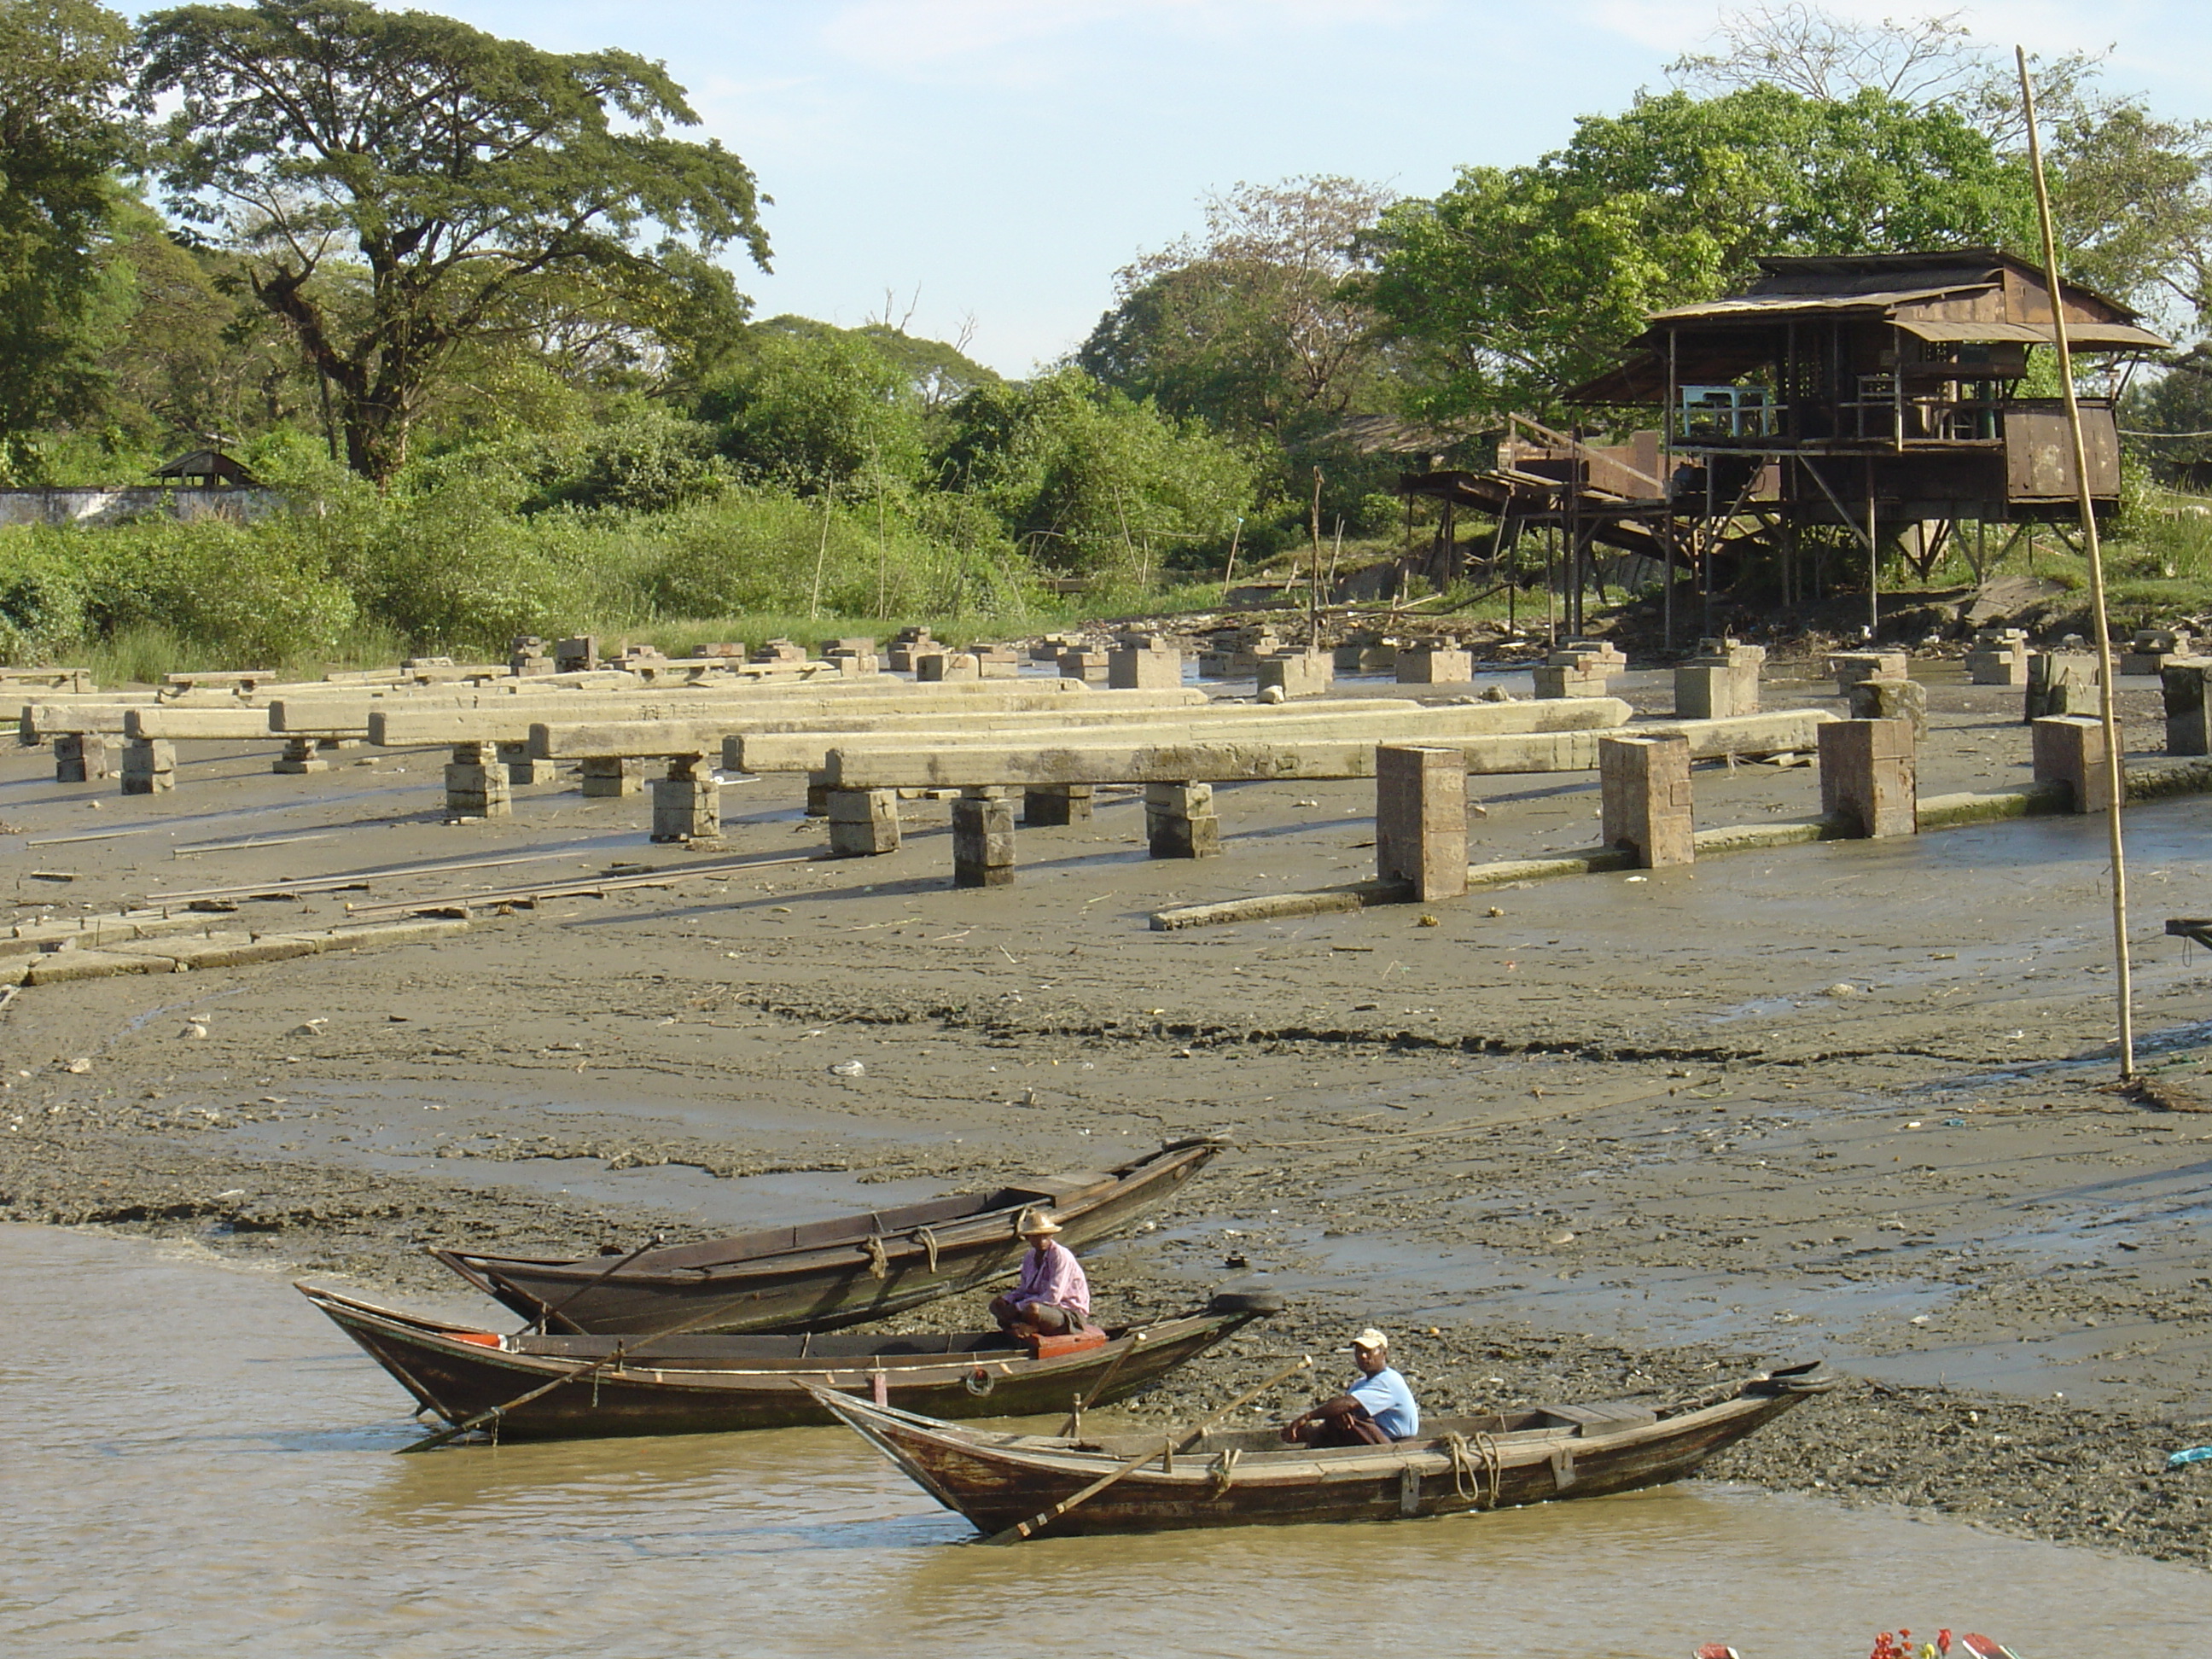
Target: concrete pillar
column 935, row 665
column 1180, row 821
column 149, row 766
column 1052, row 805
column 818, row 798
column 1869, row 771
column 300, row 758
column 1434, row 664
column 2060, row 684
column 2070, row 748
column 523, row 767
column 2188, row 688
column 1420, row 818
column 1706, row 691
column 1297, row 673
column 1089, row 666
column 1849, row 667
column 982, row 839
column 687, row 804
column 863, row 823
column 476, row 784
column 80, row 757
column 1571, row 679
column 606, row 778
column 1999, row 658
column 1644, row 798
column 1892, row 700
column 1133, row 668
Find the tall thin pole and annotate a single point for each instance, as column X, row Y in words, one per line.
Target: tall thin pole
column 2124, row 979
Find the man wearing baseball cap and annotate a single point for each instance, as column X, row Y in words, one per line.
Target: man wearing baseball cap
column 1376, row 1407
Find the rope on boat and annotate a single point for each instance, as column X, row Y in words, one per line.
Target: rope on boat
column 927, row 1240
column 1224, row 1472
column 879, row 1262
column 1462, row 1463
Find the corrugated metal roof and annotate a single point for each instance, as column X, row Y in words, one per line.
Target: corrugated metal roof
column 1754, row 305
column 2096, row 336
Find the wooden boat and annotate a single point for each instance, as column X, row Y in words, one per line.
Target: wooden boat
column 828, row 1274
column 1247, row 1477
column 711, row 1384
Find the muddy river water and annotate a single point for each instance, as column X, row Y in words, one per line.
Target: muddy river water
column 197, row 1464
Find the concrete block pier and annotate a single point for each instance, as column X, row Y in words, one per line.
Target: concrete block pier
column 1644, row 800
column 1420, row 818
column 1869, row 772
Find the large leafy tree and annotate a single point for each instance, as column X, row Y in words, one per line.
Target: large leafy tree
column 402, row 187
column 1252, row 326
column 1519, row 281
column 63, row 64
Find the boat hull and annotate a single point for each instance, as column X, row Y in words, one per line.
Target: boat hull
column 882, row 1265
column 997, row 1481
column 451, row 1370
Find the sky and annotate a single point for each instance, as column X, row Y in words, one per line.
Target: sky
column 983, row 167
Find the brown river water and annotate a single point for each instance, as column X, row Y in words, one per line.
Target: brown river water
column 197, row 1463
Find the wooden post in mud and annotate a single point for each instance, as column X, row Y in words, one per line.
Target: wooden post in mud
column 2113, row 792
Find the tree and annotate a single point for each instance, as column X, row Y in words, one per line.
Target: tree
column 1251, row 327
column 1518, row 281
column 465, row 187
column 1817, row 55
column 808, row 406
column 63, row 64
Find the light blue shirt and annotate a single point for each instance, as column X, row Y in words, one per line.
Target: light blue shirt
column 1389, row 1402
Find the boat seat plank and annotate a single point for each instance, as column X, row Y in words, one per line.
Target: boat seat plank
column 1602, row 1417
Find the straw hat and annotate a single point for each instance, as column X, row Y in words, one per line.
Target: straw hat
column 1036, row 1223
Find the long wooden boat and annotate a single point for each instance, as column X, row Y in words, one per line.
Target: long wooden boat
column 713, row 1384
column 1248, row 1477
column 827, row 1273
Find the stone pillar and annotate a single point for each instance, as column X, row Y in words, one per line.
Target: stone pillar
column 1892, row 700
column 476, row 784
column 863, row 823
column 2188, row 688
column 80, row 757
column 149, row 766
column 1999, row 658
column 2069, row 750
column 606, row 777
column 300, row 758
column 1053, row 805
column 1644, row 798
column 1180, row 821
column 1089, row 666
column 1420, row 818
column 1297, row 673
column 1706, row 691
column 1850, row 667
column 982, row 839
column 1434, row 664
column 687, row 804
column 1143, row 668
column 931, row 667
column 522, row 766
column 818, row 798
column 2060, row 684
column 1869, row 771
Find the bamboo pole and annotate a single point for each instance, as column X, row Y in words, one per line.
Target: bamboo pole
column 2123, row 975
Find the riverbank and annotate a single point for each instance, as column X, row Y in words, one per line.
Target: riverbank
column 1600, row 1135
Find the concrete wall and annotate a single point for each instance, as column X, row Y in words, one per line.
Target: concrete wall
column 90, row 506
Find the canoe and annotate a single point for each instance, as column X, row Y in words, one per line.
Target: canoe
column 827, row 1273
column 713, row 1384
column 1248, row 1477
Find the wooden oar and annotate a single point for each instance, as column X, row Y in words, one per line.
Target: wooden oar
column 1074, row 1423
column 544, row 1319
column 1038, row 1523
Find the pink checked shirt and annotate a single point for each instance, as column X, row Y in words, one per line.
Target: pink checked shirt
column 1055, row 1277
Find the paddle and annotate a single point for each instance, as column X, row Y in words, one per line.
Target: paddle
column 544, row 1319
column 1036, row 1524
column 1074, row 1423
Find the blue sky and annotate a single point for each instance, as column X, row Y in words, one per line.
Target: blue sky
column 991, row 163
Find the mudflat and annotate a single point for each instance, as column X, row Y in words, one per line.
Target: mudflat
column 1581, row 1138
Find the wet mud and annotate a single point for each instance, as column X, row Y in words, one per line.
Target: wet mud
column 1586, row 1138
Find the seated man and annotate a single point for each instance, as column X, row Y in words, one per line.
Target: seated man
column 1052, row 1296
column 1375, row 1409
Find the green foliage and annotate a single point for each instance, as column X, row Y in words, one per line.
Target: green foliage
column 1520, row 281
column 485, row 190
column 1088, row 481
column 810, row 409
column 62, row 65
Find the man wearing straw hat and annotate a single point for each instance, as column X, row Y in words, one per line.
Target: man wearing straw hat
column 1052, row 1296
